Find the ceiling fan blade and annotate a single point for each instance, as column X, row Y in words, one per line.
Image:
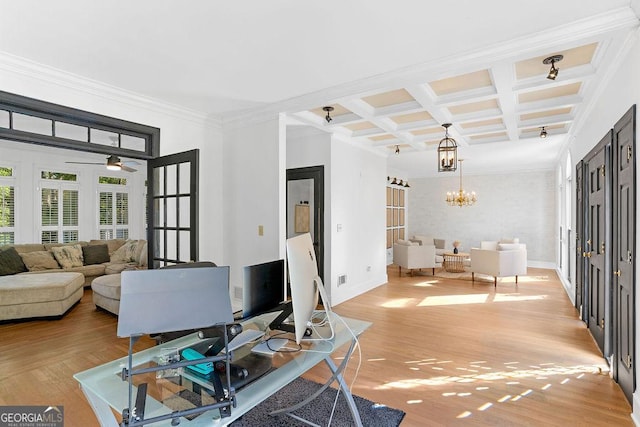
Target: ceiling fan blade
column 127, row 168
column 130, row 163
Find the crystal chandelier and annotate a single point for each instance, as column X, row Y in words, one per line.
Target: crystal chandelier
column 461, row 198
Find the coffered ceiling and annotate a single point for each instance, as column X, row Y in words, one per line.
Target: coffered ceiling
column 393, row 71
column 497, row 110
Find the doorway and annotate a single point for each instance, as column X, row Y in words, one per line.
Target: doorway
column 305, row 207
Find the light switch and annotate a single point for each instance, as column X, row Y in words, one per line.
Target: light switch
column 260, row 230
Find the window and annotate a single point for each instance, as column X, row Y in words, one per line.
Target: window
column 7, row 206
column 113, row 207
column 59, row 208
column 395, row 215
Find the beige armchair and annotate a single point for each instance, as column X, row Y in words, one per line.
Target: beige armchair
column 499, row 260
column 413, row 256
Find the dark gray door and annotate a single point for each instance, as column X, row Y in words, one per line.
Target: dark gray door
column 595, row 244
column 172, row 209
column 623, row 251
column 305, row 190
column 580, row 252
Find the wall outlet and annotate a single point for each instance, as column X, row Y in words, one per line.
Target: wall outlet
column 368, row 268
column 342, row 279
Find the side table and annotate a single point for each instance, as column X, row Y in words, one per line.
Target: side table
column 454, row 263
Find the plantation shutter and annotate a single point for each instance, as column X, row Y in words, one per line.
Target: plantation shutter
column 7, row 214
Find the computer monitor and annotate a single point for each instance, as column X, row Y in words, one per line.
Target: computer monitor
column 166, row 300
column 263, row 288
column 304, row 281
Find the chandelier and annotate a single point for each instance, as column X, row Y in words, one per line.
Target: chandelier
column 461, row 198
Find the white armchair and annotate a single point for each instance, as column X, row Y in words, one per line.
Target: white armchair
column 499, row 260
column 413, row 256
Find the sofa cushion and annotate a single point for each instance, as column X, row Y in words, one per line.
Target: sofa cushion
column 40, row 260
column 88, row 270
column 38, row 288
column 11, row 262
column 29, row 247
column 510, row 246
column 112, row 244
column 407, row 242
column 95, row 254
column 492, row 246
column 68, row 256
column 129, row 252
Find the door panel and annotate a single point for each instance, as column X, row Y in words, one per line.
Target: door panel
column 580, row 259
column 595, row 244
column 172, row 209
column 623, row 250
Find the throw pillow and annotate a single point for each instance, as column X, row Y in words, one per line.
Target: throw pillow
column 511, row 240
column 439, row 243
column 509, row 246
column 129, row 252
column 424, row 240
column 39, row 260
column 11, row 262
column 68, row 256
column 95, row 254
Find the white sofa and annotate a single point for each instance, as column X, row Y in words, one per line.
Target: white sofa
column 414, row 256
column 440, row 244
column 499, row 259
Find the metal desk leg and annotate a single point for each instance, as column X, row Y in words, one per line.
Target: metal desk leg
column 336, row 372
column 101, row 409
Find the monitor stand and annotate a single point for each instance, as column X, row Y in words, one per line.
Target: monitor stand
column 278, row 322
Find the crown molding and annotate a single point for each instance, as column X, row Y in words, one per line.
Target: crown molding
column 25, row 68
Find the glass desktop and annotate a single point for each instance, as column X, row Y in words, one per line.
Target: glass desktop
column 106, row 391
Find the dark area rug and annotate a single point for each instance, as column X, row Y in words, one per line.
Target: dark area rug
column 318, row 411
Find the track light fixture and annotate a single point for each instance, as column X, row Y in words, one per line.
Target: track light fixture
column 543, row 133
column 553, row 72
column 400, row 183
column 328, row 109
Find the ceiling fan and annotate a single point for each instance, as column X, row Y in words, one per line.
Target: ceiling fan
column 113, row 163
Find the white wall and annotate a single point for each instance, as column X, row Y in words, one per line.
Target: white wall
column 355, row 182
column 621, row 92
column 358, row 220
column 519, row 205
column 253, row 195
column 181, row 130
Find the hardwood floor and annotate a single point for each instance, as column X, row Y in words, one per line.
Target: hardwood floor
column 445, row 351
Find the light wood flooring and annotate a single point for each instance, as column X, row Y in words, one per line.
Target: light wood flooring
column 445, row 351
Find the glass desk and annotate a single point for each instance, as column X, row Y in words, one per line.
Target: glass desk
column 105, row 389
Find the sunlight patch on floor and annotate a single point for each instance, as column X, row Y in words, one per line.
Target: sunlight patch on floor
column 440, row 300
column 399, row 303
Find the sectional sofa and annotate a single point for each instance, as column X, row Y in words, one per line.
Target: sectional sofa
column 43, row 280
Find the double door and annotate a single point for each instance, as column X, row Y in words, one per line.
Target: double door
column 605, row 276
